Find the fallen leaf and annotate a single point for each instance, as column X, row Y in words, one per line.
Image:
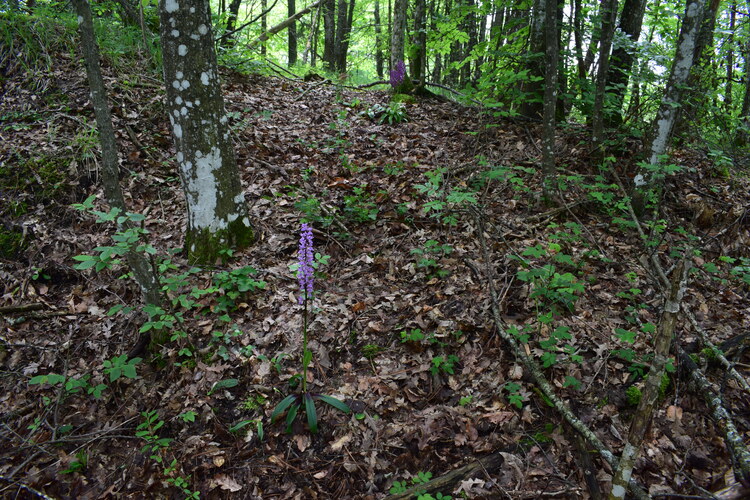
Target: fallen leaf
column 227, row 483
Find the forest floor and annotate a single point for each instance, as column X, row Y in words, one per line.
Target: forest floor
column 402, row 327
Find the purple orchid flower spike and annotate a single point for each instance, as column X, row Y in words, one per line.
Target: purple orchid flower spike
column 305, row 272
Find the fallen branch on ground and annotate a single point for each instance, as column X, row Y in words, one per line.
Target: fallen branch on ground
column 447, row 482
column 536, row 371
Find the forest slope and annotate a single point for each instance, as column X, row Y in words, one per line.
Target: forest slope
column 402, row 328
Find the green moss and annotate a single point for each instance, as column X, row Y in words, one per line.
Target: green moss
column 405, row 87
column 633, row 394
column 43, row 177
column 664, row 385
column 405, row 98
column 709, row 354
column 204, row 247
column 371, row 350
column 12, row 243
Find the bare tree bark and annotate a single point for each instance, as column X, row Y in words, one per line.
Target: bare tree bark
column 378, row 41
column 291, row 35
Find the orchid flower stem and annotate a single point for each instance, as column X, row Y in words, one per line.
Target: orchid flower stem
column 304, row 347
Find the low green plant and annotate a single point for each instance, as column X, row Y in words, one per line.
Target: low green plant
column 121, row 366
column 258, row 423
column 549, row 287
column 370, row 351
column 294, row 402
column 514, row 394
column 400, row 487
column 392, row 114
column 71, row 385
column 147, row 430
column 359, row 207
column 413, row 335
column 444, row 364
column 429, row 256
column 79, row 464
column 234, row 285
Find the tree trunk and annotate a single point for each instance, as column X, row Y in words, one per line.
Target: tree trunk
column 341, row 45
column 142, row 270
column 291, row 35
column 701, row 79
column 608, row 14
column 398, row 31
column 550, row 93
column 234, row 10
column 533, row 105
column 728, row 100
column 378, row 41
column 683, row 61
column 216, row 213
column 642, row 418
column 128, row 13
column 419, row 43
column 743, row 131
column 263, row 24
column 329, row 35
column 623, row 56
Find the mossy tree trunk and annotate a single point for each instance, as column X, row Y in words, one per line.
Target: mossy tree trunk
column 217, row 214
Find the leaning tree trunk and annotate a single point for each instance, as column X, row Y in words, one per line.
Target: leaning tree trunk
column 683, row 61
column 142, row 269
column 217, row 215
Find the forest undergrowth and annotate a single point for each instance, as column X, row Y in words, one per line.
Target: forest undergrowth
column 401, row 198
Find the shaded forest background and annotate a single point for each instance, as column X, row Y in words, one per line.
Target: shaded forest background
column 530, row 227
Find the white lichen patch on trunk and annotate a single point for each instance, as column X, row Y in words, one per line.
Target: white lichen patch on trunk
column 202, row 186
column 171, row 5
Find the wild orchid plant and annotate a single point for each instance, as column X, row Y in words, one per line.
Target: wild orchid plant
column 398, row 74
column 292, row 403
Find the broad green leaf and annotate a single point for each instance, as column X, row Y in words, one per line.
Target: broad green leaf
column 291, row 416
column 282, row 406
column 339, row 405
column 312, row 417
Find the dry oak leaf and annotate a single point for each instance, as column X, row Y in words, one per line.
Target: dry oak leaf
column 227, row 483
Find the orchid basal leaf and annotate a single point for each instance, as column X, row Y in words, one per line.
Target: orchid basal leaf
column 339, row 405
column 312, row 417
column 291, row 416
column 281, row 407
